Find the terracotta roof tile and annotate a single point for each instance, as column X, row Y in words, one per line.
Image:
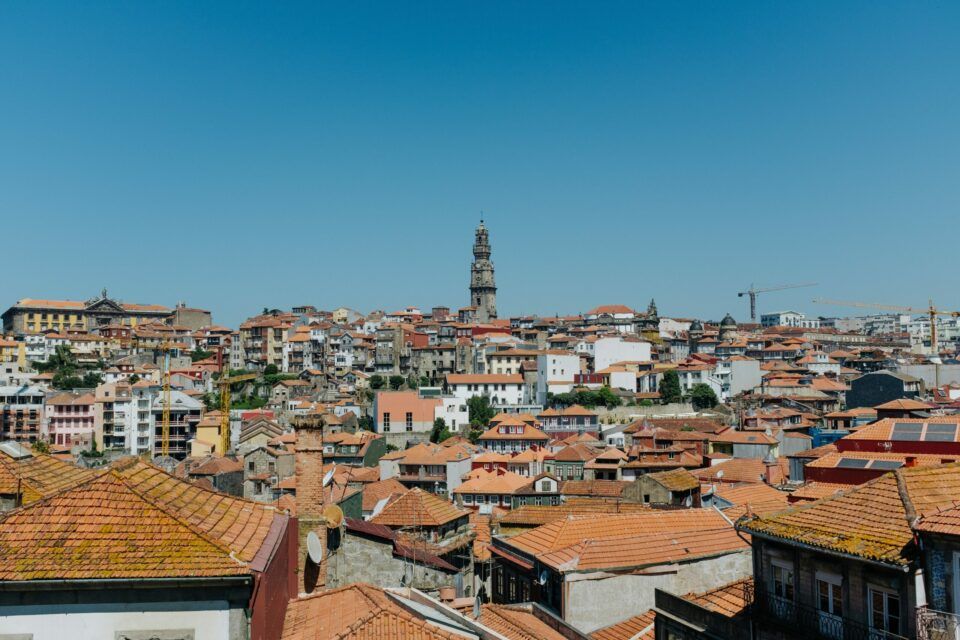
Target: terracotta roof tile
column 418, row 508
column 132, row 521
column 516, row 622
column 629, row 629
column 870, row 521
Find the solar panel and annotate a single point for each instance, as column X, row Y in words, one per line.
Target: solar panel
column 886, row 464
column 941, row 428
column 940, row 437
column 852, row 463
column 905, row 436
column 913, row 427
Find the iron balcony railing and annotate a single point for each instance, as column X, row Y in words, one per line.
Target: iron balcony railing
column 805, row 621
column 937, row 625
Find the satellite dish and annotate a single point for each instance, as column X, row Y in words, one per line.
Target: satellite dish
column 544, row 576
column 334, row 516
column 476, row 607
column 688, row 502
column 314, row 547
column 377, row 508
column 720, row 474
column 328, row 477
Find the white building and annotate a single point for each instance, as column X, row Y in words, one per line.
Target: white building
column 789, row 319
column 502, row 390
column 608, row 351
column 555, row 372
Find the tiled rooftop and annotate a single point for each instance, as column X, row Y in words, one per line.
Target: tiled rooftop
column 417, row 508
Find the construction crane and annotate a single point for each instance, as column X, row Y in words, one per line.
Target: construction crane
column 224, row 383
column 752, row 292
column 931, row 311
column 165, row 420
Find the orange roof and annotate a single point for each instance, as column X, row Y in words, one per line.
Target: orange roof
column 574, row 529
column 883, row 429
column 516, row 622
column 504, row 482
column 816, row 490
column 759, row 499
column 905, row 404
column 640, row 627
column 355, row 612
column 480, row 523
column 39, row 476
column 529, row 514
column 611, row 309
column 527, row 432
column 132, row 521
column 870, row 521
column 418, row 508
column 676, row 479
column 484, row 378
column 870, row 458
column 742, row 470
column 374, row 492
column 729, row 600
column 430, row 454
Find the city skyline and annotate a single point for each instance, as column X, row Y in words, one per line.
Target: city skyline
column 314, row 153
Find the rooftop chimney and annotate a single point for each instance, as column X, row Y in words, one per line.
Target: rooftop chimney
column 309, row 499
column 910, row 461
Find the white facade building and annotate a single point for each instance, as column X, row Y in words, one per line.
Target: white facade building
column 608, row 351
column 555, row 372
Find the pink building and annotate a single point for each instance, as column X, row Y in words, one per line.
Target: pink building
column 69, row 419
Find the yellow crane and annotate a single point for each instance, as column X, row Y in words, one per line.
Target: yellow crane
column 165, row 420
column 224, row 383
column 931, row 311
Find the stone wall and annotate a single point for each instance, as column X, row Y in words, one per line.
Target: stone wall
column 361, row 559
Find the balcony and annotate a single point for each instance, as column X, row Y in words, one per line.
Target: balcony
column 799, row 620
column 937, row 625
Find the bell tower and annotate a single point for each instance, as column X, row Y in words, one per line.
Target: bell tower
column 483, row 289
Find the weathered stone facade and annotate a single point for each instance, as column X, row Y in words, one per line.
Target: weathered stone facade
column 483, row 288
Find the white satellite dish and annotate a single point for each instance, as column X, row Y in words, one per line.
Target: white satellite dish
column 476, row 607
column 688, row 502
column 328, row 477
column 544, row 576
column 314, row 547
column 377, row 508
column 720, row 474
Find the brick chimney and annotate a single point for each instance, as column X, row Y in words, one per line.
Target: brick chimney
column 910, row 461
column 309, row 497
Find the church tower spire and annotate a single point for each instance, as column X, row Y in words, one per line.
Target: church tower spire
column 483, row 289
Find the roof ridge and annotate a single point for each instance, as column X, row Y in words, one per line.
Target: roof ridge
column 97, row 475
column 904, row 493
column 510, row 623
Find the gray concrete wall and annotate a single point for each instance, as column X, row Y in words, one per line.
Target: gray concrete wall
column 928, row 373
column 592, row 604
column 363, row 560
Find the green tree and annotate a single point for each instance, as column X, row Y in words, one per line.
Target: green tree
column 199, row 354
column 41, row 446
column 396, row 382
column 365, row 423
column 608, row 398
column 670, row 387
column 133, row 379
column 413, row 382
column 703, row 397
column 440, row 431
column 271, row 370
column 92, row 379
column 376, row 381
column 479, row 411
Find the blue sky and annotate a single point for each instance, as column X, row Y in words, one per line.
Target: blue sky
column 241, row 155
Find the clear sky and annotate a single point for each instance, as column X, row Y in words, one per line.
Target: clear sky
column 238, row 155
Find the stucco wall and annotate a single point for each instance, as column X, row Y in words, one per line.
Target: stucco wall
column 211, row 620
column 591, row 604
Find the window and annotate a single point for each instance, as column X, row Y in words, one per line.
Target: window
column 409, row 421
column 884, row 610
column 386, row 421
column 830, row 604
column 250, row 466
column 782, row 580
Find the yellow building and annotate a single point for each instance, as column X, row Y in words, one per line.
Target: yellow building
column 32, row 315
